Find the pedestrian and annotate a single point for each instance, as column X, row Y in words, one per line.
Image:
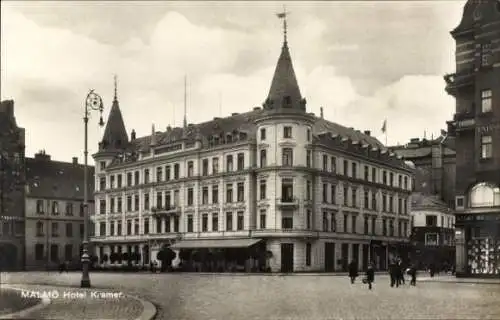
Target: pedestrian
column 432, row 270
column 401, row 274
column 413, row 274
column 353, row 270
column 392, row 272
column 370, row 275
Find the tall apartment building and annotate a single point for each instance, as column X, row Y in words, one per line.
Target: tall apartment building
column 476, row 126
column 54, row 211
column 312, row 193
column 433, row 199
column 12, row 176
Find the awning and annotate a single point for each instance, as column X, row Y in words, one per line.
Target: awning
column 213, row 243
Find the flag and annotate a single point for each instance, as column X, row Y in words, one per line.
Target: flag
column 384, row 126
column 281, row 15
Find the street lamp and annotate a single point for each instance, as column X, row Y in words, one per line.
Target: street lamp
column 93, row 102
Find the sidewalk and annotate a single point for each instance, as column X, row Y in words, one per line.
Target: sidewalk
column 76, row 303
column 453, row 279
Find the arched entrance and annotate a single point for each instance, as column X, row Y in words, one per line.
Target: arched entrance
column 8, row 257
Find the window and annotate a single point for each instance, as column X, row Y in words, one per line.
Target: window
column 136, row 226
column 405, row 183
column 333, row 222
column 486, row 147
column 159, row 200
column 325, row 193
column 431, row 239
column 287, row 222
column 366, row 225
column 262, row 219
column 263, row 158
column 54, row 253
column 325, row 221
column 333, row 164
column 374, row 224
column 262, row 190
column 367, row 173
column 68, row 252
column 167, row 173
column 391, row 179
column 168, row 224
column 69, row 230
column 229, row 163
column 39, row 229
column 102, row 229
column 308, row 254
column 391, row 204
column 176, row 224
column 486, row 54
column 102, row 183
column 229, row 221
column 241, row 192
column 346, row 196
column 287, row 132
column 39, row 206
column 309, row 219
column 204, row 222
column 190, row 170
column 190, row 197
column 55, row 229
column 136, row 202
column 176, row 171
column 112, row 181
column 308, row 190
column 354, row 220
column 129, row 227
column 400, row 181
column 102, row 206
column 354, row 196
column 484, row 195
column 240, row 224
column 346, row 221
column 229, row 193
column 158, row 225
column 287, row 190
column 112, row 228
column 240, row 161
column 374, row 174
column 55, row 208
column 204, row 195
column 215, row 194
column 308, row 158
column 346, row 167
column 204, row 167
column 374, row 200
column 287, row 156
column 325, row 162
column 69, row 209
column 366, row 199
column 129, row 179
column 146, row 175
column 384, row 203
column 146, row 201
column 190, row 223
column 384, row 177
column 39, row 252
column 176, row 198
column 215, row 165
column 263, row 134
column 430, row 220
column 82, row 230
column 102, row 165
column 384, row 227
column 119, row 181
column 146, row 226
column 391, row 228
column 354, row 170
column 215, row 222
column 136, row 178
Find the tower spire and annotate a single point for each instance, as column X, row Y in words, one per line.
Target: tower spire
column 116, row 88
column 185, row 101
column 283, row 15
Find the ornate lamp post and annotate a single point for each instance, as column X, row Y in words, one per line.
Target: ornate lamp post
column 93, row 102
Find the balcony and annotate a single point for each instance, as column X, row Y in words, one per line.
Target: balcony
column 288, row 202
column 287, row 233
column 455, row 81
column 167, row 210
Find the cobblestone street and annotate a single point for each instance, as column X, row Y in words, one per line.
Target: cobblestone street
column 197, row 297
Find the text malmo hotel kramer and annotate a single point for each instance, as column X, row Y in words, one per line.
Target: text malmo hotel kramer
column 55, row 294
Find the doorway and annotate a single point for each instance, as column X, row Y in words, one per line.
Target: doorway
column 287, row 257
column 329, row 257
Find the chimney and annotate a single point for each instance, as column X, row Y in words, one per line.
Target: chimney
column 75, row 160
column 321, row 112
column 41, row 156
column 234, row 114
column 132, row 135
column 368, row 132
column 256, row 108
column 169, row 128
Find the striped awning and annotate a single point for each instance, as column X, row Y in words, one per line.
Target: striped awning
column 215, row 243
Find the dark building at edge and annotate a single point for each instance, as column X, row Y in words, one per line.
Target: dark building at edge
column 12, row 177
column 476, row 127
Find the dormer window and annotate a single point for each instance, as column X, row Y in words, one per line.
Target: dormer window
column 229, row 138
column 287, row 101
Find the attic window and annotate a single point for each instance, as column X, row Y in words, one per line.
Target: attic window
column 229, row 138
column 287, row 101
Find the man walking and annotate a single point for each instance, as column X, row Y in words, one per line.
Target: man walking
column 353, row 270
column 370, row 275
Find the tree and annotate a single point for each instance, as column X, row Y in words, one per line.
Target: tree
column 105, row 258
column 125, row 256
column 112, row 258
column 137, row 257
column 165, row 255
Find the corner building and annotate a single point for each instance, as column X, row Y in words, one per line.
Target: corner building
column 476, row 125
column 311, row 194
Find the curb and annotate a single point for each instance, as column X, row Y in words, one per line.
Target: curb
column 44, row 302
column 148, row 309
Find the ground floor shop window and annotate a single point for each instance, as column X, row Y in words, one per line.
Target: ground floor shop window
column 483, row 255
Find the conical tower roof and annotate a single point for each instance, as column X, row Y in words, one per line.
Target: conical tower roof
column 115, row 135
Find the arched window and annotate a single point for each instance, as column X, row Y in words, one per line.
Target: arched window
column 484, row 195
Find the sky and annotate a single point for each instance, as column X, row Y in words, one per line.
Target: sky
column 363, row 62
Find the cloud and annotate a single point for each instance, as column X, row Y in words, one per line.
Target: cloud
column 48, row 71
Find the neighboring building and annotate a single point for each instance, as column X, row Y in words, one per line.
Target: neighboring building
column 433, row 231
column 476, row 126
column 54, row 211
column 12, row 176
column 312, row 194
column 432, row 235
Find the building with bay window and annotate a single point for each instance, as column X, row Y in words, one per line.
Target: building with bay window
column 312, row 194
column 476, row 127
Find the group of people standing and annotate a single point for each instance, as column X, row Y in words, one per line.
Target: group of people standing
column 396, row 272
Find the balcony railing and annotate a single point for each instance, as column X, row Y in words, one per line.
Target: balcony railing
column 455, row 81
column 165, row 210
column 288, row 202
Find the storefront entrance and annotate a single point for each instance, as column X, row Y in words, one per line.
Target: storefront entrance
column 329, row 257
column 287, row 257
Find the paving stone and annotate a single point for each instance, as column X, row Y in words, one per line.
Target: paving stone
column 200, row 297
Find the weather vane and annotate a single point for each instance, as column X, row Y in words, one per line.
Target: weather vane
column 283, row 15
